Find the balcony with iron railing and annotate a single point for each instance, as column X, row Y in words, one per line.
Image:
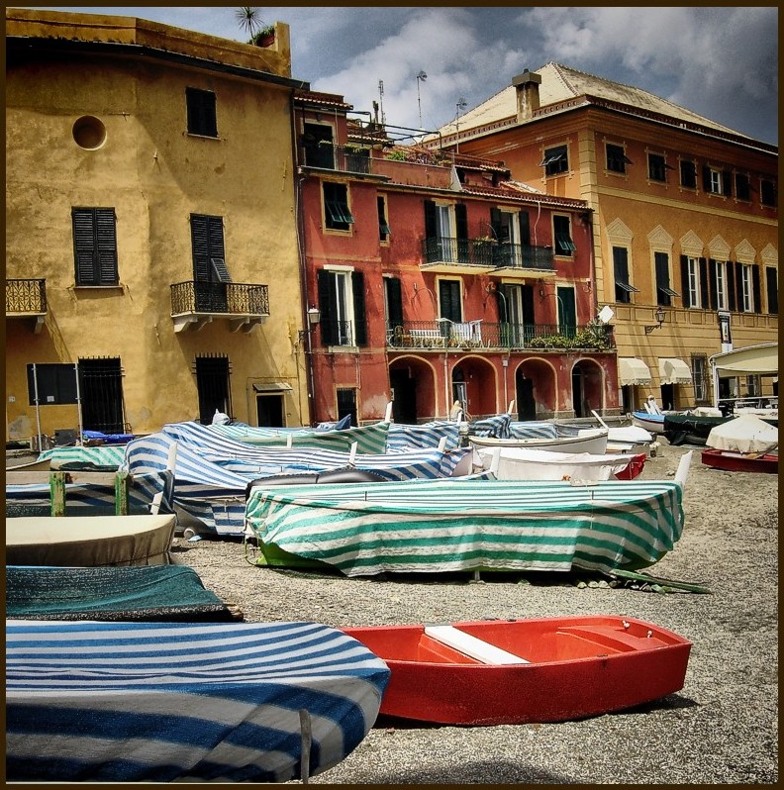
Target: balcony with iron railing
column 197, row 302
column 26, row 298
column 486, row 256
column 445, row 334
column 345, row 158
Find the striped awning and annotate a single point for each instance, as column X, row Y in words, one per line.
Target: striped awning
column 633, row 371
column 674, row 371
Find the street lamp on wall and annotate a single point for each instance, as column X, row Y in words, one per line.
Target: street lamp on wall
column 659, row 321
column 314, row 316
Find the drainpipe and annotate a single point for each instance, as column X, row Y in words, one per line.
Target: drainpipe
column 299, row 220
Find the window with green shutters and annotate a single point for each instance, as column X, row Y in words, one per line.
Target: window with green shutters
column 342, row 305
column 336, row 211
column 772, row 289
column 95, row 246
column 562, row 232
column 664, row 293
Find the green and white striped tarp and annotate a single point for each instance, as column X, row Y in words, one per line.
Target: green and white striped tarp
column 369, row 438
column 452, row 525
column 102, row 455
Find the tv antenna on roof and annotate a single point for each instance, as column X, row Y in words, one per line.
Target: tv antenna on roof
column 421, row 77
column 381, row 101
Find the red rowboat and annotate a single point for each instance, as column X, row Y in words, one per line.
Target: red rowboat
column 516, row 671
column 741, row 462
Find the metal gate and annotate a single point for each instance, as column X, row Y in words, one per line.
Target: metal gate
column 101, row 394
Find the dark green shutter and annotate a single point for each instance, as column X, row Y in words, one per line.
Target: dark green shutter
column 360, row 322
column 327, row 302
column 726, row 183
column 685, row 281
column 529, row 316
column 712, row 297
column 525, row 229
column 772, row 288
column 704, row 286
column 449, row 298
column 95, row 246
column 394, row 301
column 495, row 222
column 430, row 219
column 500, row 298
column 106, row 245
column 755, row 284
column 662, row 278
column 200, row 246
column 706, row 179
column 461, row 221
column 731, row 272
column 84, row 246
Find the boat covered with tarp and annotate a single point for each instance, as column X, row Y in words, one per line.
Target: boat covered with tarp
column 184, row 702
column 446, row 525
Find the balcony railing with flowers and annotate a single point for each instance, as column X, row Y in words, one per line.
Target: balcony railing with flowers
column 445, row 334
column 25, row 297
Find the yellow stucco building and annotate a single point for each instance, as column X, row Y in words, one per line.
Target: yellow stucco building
column 151, row 227
column 685, row 220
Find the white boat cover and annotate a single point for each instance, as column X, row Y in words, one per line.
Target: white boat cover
column 455, row 525
column 519, row 463
column 163, row 702
column 744, row 434
column 89, row 541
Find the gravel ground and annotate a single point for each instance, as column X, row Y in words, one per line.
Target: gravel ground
column 722, row 727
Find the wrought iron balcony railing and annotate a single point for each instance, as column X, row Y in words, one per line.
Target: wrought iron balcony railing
column 487, row 253
column 236, row 299
column 349, row 159
column 25, row 297
column 444, row 334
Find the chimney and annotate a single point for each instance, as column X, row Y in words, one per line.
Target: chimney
column 527, row 85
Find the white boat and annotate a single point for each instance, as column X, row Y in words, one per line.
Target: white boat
column 580, row 440
column 519, row 463
column 653, row 423
column 629, row 439
column 89, row 541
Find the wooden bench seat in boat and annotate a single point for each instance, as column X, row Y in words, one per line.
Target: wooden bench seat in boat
column 471, row 646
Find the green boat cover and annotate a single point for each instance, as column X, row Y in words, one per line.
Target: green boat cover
column 453, row 525
column 153, row 592
column 105, row 457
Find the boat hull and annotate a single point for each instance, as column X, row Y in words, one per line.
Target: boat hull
column 579, row 667
column 738, row 462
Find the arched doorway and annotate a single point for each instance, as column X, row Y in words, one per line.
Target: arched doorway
column 586, row 388
column 474, row 384
column 535, row 390
column 412, row 388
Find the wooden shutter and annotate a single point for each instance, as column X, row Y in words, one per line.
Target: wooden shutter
column 686, row 294
column 217, row 251
column 525, row 229
column 731, row 272
column 662, row 278
column 84, row 246
column 529, row 316
column 106, row 246
column 726, row 183
column 704, row 286
column 755, row 285
column 501, row 295
column 200, row 246
column 327, row 301
column 461, row 221
column 430, row 220
column 495, row 222
column 449, row 299
column 772, row 288
column 706, row 178
column 394, row 301
column 360, row 322
column 713, row 301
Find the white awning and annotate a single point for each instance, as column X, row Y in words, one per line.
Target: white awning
column 633, row 371
column 674, row 371
column 273, row 386
column 762, row 359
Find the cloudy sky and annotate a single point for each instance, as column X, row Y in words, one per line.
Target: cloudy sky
column 720, row 62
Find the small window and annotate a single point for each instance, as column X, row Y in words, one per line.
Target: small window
column 318, row 146
column 742, row 186
column 716, row 181
column 555, row 161
column 746, row 295
column 336, row 210
column 657, row 168
column 688, row 174
column 202, row 118
column 383, row 225
column 768, row 196
column 95, row 246
column 616, row 158
column 699, row 366
column 563, row 236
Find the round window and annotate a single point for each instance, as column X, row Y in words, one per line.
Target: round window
column 89, row 132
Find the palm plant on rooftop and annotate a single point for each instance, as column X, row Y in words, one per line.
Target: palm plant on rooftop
column 250, row 21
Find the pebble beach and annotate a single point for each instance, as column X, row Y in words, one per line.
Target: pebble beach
column 721, row 728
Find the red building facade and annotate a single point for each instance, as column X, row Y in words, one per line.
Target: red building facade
column 433, row 279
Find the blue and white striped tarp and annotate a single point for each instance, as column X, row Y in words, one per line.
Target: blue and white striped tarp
column 456, row 525
column 212, row 473
column 92, row 499
column 536, row 429
column 429, row 434
column 153, row 702
column 496, row 426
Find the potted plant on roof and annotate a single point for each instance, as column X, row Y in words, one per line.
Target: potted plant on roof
column 249, row 19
